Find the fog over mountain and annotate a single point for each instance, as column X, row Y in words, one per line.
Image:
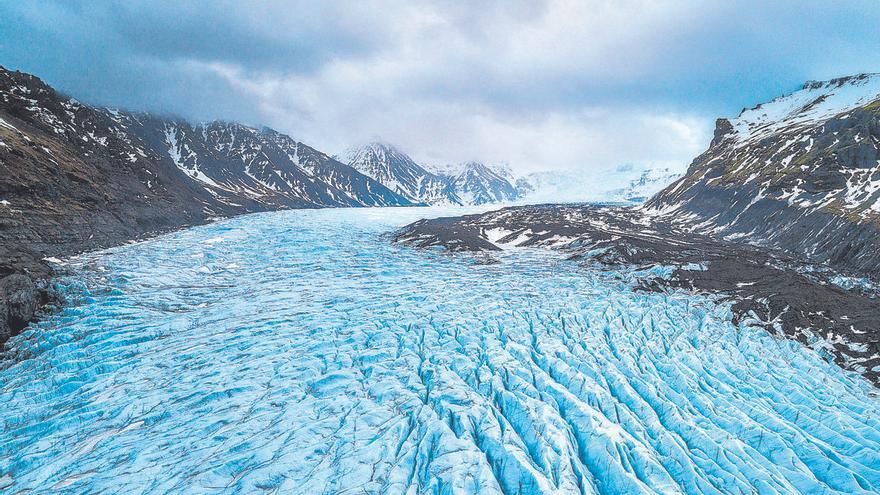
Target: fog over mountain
column 541, row 85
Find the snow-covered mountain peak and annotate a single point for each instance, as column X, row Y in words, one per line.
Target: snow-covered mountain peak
column 814, row 103
column 380, row 148
column 472, row 182
column 474, row 167
column 400, row 173
column 377, row 159
column 478, row 183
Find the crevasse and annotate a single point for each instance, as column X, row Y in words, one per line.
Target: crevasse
column 302, row 352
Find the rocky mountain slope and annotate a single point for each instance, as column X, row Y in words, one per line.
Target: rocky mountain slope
column 800, row 173
column 75, row 177
column 471, row 183
column 270, row 168
column 479, row 184
column 398, row 172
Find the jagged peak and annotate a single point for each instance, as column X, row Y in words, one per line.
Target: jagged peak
column 231, row 126
column 478, row 167
column 382, row 152
column 20, row 75
column 378, row 148
column 381, row 146
column 26, row 85
column 474, row 165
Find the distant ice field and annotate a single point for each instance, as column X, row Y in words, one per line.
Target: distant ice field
column 302, row 352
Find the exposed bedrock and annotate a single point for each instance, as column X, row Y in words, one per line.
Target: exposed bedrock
column 24, row 290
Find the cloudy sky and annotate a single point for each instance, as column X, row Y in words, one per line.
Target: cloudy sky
column 539, row 84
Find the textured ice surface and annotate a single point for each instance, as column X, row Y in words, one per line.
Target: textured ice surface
column 301, row 352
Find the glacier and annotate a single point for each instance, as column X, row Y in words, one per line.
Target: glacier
column 302, row 352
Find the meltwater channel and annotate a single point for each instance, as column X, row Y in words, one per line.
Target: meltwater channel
column 303, row 352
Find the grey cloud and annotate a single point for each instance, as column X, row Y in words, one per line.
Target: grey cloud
column 593, row 81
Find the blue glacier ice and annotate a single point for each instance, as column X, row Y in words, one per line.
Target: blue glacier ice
column 303, row 352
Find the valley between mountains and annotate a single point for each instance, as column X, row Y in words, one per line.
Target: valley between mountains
column 78, row 178
column 712, row 332
column 780, row 215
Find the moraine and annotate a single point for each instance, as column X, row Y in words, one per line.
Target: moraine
column 302, row 352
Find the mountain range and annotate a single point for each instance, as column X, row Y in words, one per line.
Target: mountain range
column 478, row 183
column 78, row 177
column 138, row 173
column 471, row 183
column 800, row 173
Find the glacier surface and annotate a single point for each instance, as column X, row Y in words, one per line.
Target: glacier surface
column 302, row 352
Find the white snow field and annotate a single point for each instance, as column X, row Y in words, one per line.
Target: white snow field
column 302, row 352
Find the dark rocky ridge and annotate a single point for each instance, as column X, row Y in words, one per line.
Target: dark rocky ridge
column 770, row 288
column 78, row 178
column 479, row 184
